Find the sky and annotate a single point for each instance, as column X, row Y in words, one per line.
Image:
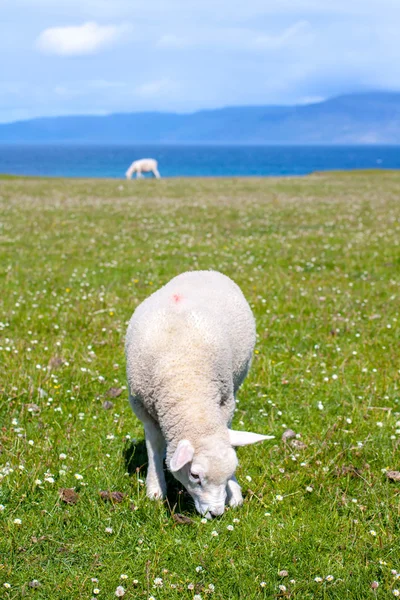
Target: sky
column 61, row 57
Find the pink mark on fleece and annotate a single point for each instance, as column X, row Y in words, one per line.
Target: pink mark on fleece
column 177, row 298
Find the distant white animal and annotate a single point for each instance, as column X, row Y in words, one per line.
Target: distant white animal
column 144, row 165
column 188, row 349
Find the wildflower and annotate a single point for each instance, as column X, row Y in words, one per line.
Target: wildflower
column 309, row 488
column 236, row 520
column 158, row 582
column 329, row 578
column 374, row 585
column 96, row 591
column 318, row 579
column 248, row 478
column 94, row 580
column 282, row 588
column 49, row 479
column 17, row 522
column 123, row 576
column 135, row 581
column 279, row 498
column 396, row 593
column 204, row 521
column 373, row 532
column 230, row 528
column 31, row 443
column 7, row 585
column 108, row 530
column 211, row 587
column 62, row 456
column 78, row 476
column 354, row 500
column 190, row 586
column 214, row 533
column 199, row 569
column 283, row 573
column 379, row 424
column 2, row 507
column 267, row 514
column 119, row 592
column 263, row 584
column 197, row 597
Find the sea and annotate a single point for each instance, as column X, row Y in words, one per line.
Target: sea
column 192, row 160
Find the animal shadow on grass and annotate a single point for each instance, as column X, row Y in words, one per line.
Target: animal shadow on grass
column 135, row 457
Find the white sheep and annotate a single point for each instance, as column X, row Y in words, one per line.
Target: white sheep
column 144, row 165
column 188, row 349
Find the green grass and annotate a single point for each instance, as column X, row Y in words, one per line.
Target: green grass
column 318, row 258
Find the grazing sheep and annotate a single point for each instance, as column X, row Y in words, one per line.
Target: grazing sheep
column 144, row 165
column 188, row 349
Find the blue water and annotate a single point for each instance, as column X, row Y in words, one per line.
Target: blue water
column 193, row 161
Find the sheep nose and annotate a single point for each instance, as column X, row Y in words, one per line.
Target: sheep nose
column 217, row 512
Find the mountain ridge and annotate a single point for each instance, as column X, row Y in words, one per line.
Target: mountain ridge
column 363, row 118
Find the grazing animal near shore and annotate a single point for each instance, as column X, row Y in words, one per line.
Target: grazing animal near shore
column 144, row 165
column 188, row 349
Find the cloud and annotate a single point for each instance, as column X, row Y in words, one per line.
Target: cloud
column 78, row 40
column 159, row 87
column 298, row 31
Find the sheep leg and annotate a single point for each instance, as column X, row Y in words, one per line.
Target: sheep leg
column 139, row 174
column 234, row 492
column 156, row 174
column 156, row 487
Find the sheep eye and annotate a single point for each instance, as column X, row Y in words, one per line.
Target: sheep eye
column 196, row 477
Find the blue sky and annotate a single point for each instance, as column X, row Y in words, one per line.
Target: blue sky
column 62, row 57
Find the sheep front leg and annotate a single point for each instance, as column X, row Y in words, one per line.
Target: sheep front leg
column 156, row 174
column 156, row 487
column 234, row 492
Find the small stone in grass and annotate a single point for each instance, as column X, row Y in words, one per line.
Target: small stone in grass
column 181, row 519
column 114, row 392
column 393, row 475
column 288, row 434
column 68, row 495
column 116, row 497
column 108, row 405
column 298, row 444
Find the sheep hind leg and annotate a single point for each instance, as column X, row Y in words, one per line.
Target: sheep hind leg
column 156, row 487
column 233, row 492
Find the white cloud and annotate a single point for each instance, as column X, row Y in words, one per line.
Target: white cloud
column 159, row 87
column 299, row 31
column 78, row 40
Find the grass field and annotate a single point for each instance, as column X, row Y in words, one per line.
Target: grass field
column 318, row 258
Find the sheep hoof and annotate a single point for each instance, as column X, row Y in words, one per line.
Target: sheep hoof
column 154, row 492
column 236, row 501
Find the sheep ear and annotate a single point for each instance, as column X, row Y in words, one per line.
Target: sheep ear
column 244, row 438
column 182, row 455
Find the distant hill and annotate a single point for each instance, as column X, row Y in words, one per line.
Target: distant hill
column 371, row 118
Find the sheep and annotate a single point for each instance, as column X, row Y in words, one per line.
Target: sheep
column 188, row 349
column 144, row 165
